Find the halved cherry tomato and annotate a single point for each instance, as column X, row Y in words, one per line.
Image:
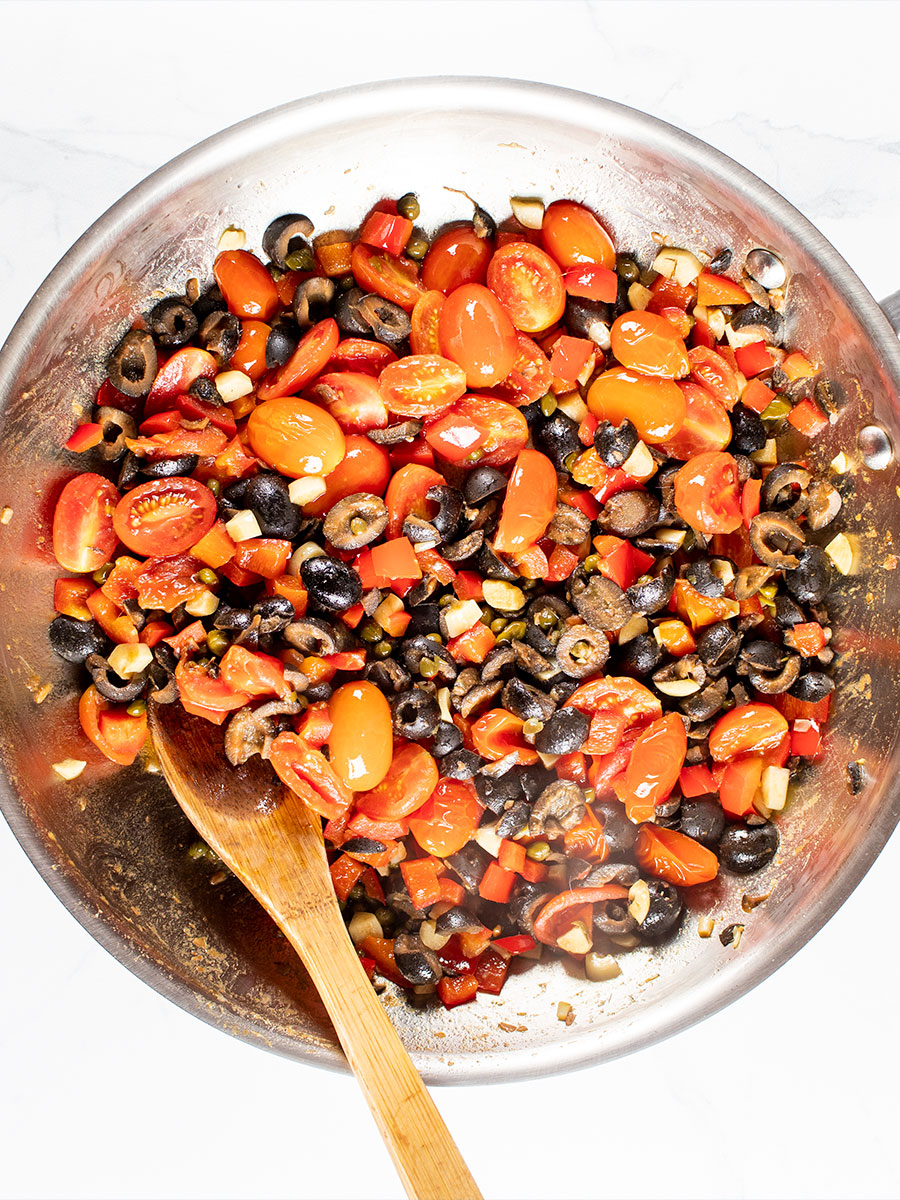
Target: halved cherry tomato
column 365, row 467
column 573, row 235
column 309, row 774
column 215, row 548
column 70, row 597
column 405, row 496
column 707, row 426
column 423, row 334
column 447, row 819
column 707, row 493
column 592, row 282
column 456, row 257
column 674, row 857
column 361, row 742
column 353, row 399
column 410, row 780
column 712, row 371
column 246, row 286
column 649, row 344
column 165, row 517
column 656, row 761
column 656, row 407
column 530, row 377
column 193, row 409
column 475, row 332
column 498, row 733
column 421, row 385
column 205, row 695
column 388, row 275
column 455, row 437
column 116, row 734
column 529, row 285
column 250, row 356
column 556, row 915
column 529, row 503
column 167, row 582
column 313, row 351
column 740, row 784
column 505, row 428
column 619, row 693
column 84, row 536
column 176, row 375
column 254, row 673
column 295, row 437
column 358, row 354
column 747, row 729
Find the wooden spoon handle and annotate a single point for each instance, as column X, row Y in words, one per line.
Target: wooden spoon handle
column 425, row 1155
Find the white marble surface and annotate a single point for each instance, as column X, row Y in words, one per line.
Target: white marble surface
column 107, row 1090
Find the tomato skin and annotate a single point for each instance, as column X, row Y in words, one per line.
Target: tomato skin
column 357, row 354
column 530, row 377
column 423, row 336
column 410, row 780
column 421, row 385
column 456, row 257
column 572, row 235
column 707, row 493
column 361, row 740
column 554, row 918
column 405, row 496
column 165, row 517
column 747, row 729
column 529, row 503
column 710, row 370
column 176, row 375
column 246, row 286
column 529, row 285
column 656, row 407
column 250, row 356
column 674, row 857
column 448, row 819
column 313, row 351
column 498, row 733
column 365, row 467
column 649, row 344
column 353, row 399
column 117, row 735
column 204, row 696
column 388, row 275
column 84, row 536
column 706, row 428
column 618, row 693
column 167, row 582
column 309, row 775
column 475, row 332
column 295, row 437
column 505, row 429
column 254, row 673
column 653, row 769
column 206, row 443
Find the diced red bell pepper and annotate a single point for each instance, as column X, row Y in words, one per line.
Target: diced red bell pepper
column 239, row 576
column 70, row 597
column 699, row 610
column 491, row 971
column 807, row 418
column 387, row 231
column 154, row 632
column 459, row 990
column 291, row 587
column 474, row 942
column 192, row 408
column 560, row 565
column 372, row 883
column 347, row 660
column 808, row 638
column 267, row 557
column 468, row 585
column 452, row 893
column 806, row 737
column 696, row 780
column 757, row 396
column 719, row 289
column 585, row 840
column 395, row 559
column 360, row 825
column 345, row 871
column 570, row 356
column 535, row 872
column 395, row 624
column 579, row 497
column 161, row 422
column 382, row 951
column 676, row 638
column 353, row 615
column 750, row 500
column 421, row 878
column 516, row 943
column 531, row 563
column 86, row 437
column 701, row 335
column 216, row 547
column 368, row 965
column 417, row 451
column 433, row 564
column 586, row 429
column 592, row 282
column 117, row 626
column 511, row 855
column 739, row 785
column 605, row 732
column 797, row 366
column 572, row 766
column 314, row 725
column 473, row 645
column 497, row 883
column 616, row 559
column 188, row 639
column 753, row 359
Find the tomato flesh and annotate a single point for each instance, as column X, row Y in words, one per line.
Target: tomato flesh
column 165, row 516
column 529, row 285
column 448, row 818
column 707, row 493
column 84, row 536
column 706, row 427
column 365, row 467
column 410, row 780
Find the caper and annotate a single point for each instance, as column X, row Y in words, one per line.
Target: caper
column 346, row 282
column 627, row 268
column 538, row 851
column 201, row 850
column 103, row 573
column 514, row 631
column 592, row 563
column 217, row 641
column 214, row 486
column 434, row 636
column 428, row 668
column 384, row 916
column 487, row 616
column 648, row 277
column 447, row 598
column 416, row 247
column 382, row 650
column 548, row 404
column 301, row 259
column 408, row 206
column 371, row 632
column 570, row 460
column 545, row 619
column 208, row 576
column 532, row 727
column 581, row 651
column 498, row 624
column 358, row 525
column 137, row 709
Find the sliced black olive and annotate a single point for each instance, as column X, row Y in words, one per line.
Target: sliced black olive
column 558, row 438
column 569, row 525
column 388, row 676
column 220, row 333
column 762, row 655
column 565, row 732
column 481, row 483
column 205, row 389
column 721, row 262
column 415, row 649
column 654, row 593
column 810, row 580
column 776, row 540
column 210, row 301
column 355, row 521
column 640, row 656
column 582, row 651
column 664, row 915
column 830, row 395
column 535, row 779
column 526, row 903
column 533, row 413
column 778, row 489
column 420, row 531
column 533, row 661
column 457, row 920
column 275, row 614
column 615, row 443
column 629, row 514
column 856, row 777
column 702, row 579
column 415, row 962
column 707, row 702
column 166, row 468
column 104, row 678
column 601, row 602
column 747, row 848
column 269, row 498
column 281, row 342
column 747, row 430
column 813, row 686
column 497, row 793
column 331, row 584
column 130, row 471
column 132, row 365
column 586, row 318
column 461, row 764
column 477, row 698
column 787, row 612
column 450, row 504
column 405, row 431
column 425, row 616
column 492, row 567
column 754, row 318
column 703, row 820
column 447, row 738
column 499, row 664
column 75, row 640
column 526, row 702
column 251, row 731
column 686, row 670
column 388, row 322
column 774, row 685
column 285, row 236
column 172, row 322
column 363, row 845
column 618, row 832
column 346, row 313
column 464, row 548
column 559, row 807
column 116, row 426
column 415, row 715
column 749, row 580
column 470, row 864
column 514, row 820
column 312, row 301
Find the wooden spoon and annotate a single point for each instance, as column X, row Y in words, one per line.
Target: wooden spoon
column 273, row 843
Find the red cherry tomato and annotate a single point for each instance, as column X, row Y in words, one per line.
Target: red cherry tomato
column 365, row 467
column 530, row 377
column 747, row 729
column 295, row 437
column 707, row 493
column 706, row 427
column 529, row 503
column 357, row 354
column 250, row 356
column 649, row 344
column 454, row 258
column 246, row 286
column 309, row 774
column 256, row 674
column 421, row 385
column 206, row 695
column 475, row 332
column 655, row 407
column 710, row 370
column 353, row 399
column 410, row 780
column 405, row 496
column 494, row 430
column 309, row 359
column 573, row 235
column 167, row 582
column 84, row 537
column 165, row 516
column 556, row 915
column 360, row 745
column 116, row 734
column 448, row 819
column 423, row 336
column 529, row 285
column 616, row 693
column 654, row 767
column 499, row 733
column 395, row 278
column 674, row 857
column 176, row 375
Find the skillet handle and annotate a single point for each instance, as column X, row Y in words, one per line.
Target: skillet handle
column 890, row 306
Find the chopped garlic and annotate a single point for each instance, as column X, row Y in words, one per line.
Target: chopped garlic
column 705, row 927
column 680, row 265
column 715, row 319
column 840, row 551
column 775, row 787
column 528, row 211
column 232, row 238
column 231, row 385
column 301, row 554
column 130, row 659
column 363, row 925
column 203, row 605
column 430, row 938
column 69, row 768
column 639, row 900
column 6, row 516
column 243, row 526
column 461, row 616
column 600, row 967
column 840, row 464
column 741, row 337
column 573, row 406
column 307, row 489
column 443, row 699
column 563, row 1011
column 504, row 597
column 636, row 626
column 487, row 838
column 389, row 607
column 768, row 455
column 640, row 464
column 576, row 940
column 639, row 297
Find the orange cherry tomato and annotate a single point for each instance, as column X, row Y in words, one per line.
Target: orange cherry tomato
column 410, row 780
column 365, row 467
column 309, row 774
column 747, row 729
column 167, row 582
column 573, row 235
column 674, row 856
column 616, row 693
column 475, row 332
column 295, row 437
column 740, row 784
column 388, row 275
column 353, row 399
column 83, row 534
column 645, row 342
column 456, row 257
column 246, row 286
column 361, row 742
column 423, row 336
column 710, row 370
column 707, row 426
column 165, row 516
column 653, row 769
column 309, row 359
column 530, row 377
column 529, row 285
column 499, row 733
column 116, row 734
column 421, row 385
column 447, row 819
column 655, row 407
column 529, row 503
column 707, row 493
column 250, row 356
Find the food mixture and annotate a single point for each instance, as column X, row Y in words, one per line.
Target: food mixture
column 484, row 544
